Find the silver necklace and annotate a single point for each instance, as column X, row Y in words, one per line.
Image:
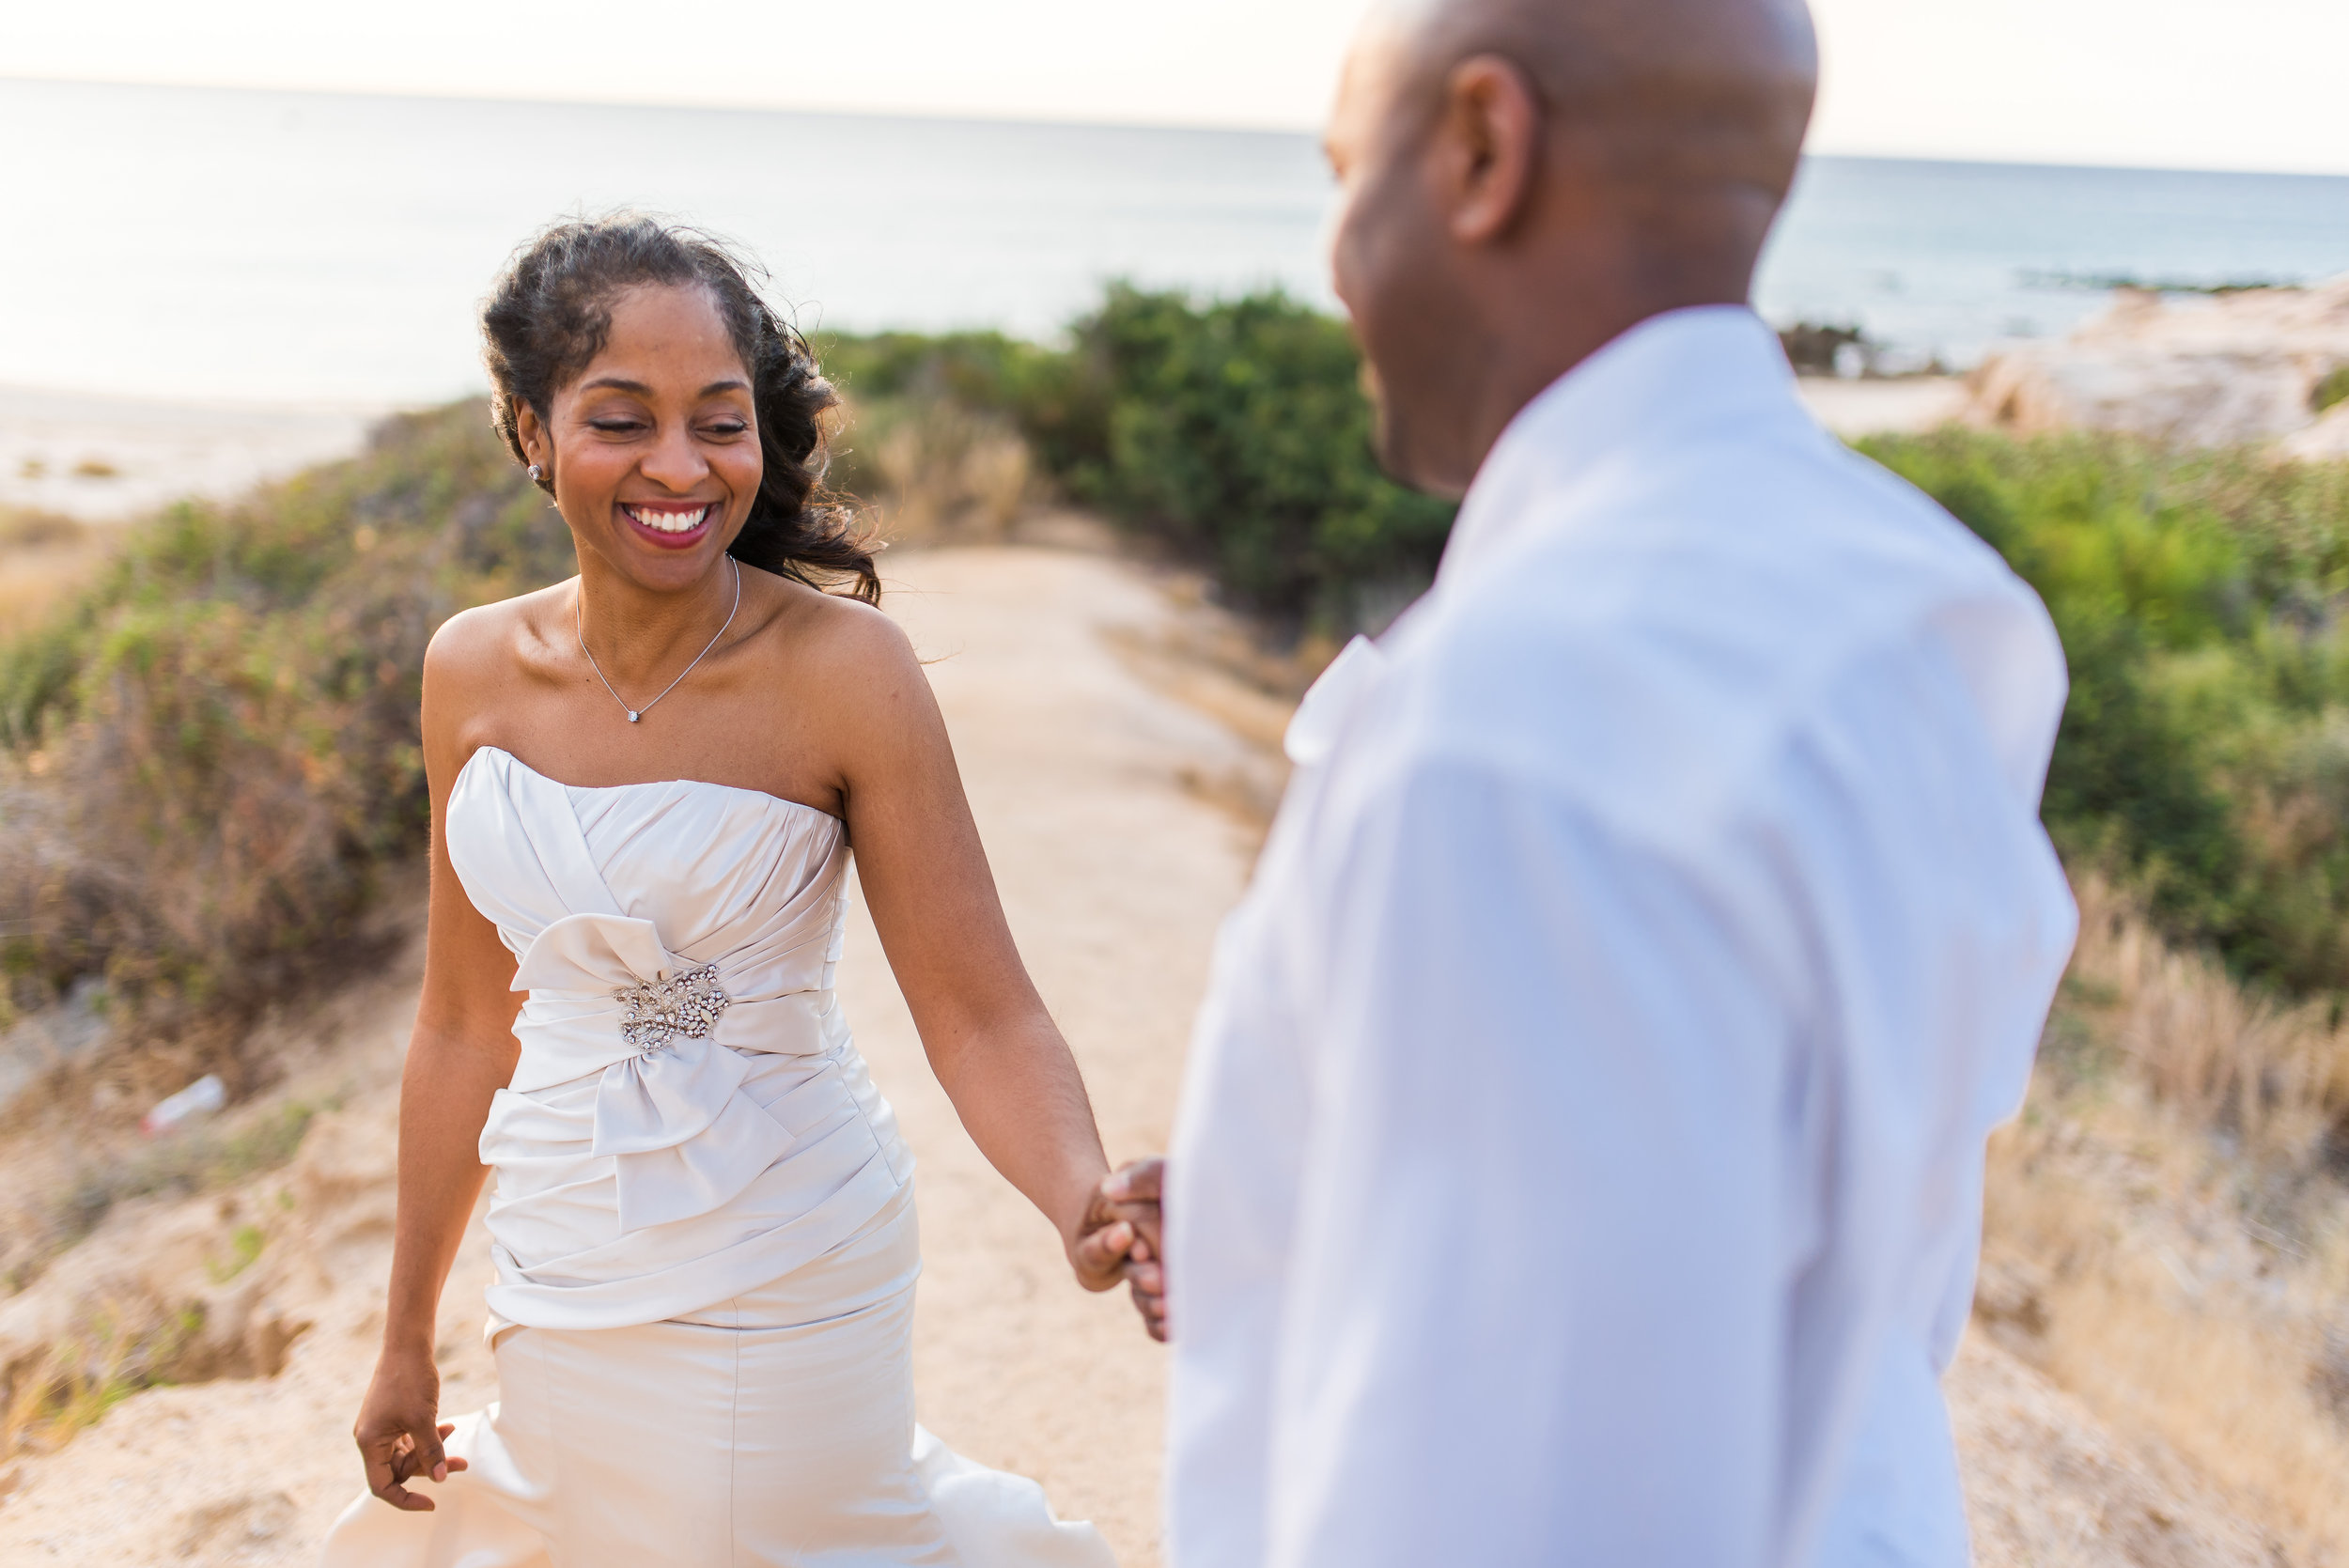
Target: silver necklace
column 579, row 627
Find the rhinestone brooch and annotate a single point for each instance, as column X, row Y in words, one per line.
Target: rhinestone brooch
column 660, row 1011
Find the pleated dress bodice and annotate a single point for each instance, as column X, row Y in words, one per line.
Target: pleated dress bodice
column 689, row 1119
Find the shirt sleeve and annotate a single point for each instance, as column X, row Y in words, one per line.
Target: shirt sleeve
column 1538, row 1312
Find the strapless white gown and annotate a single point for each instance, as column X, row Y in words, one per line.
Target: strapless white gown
column 703, row 1234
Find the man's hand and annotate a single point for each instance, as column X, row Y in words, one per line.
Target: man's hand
column 1120, row 1238
column 399, row 1437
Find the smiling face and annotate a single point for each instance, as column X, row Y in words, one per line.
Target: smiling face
column 653, row 449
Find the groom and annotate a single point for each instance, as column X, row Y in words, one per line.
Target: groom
column 1581, row 1155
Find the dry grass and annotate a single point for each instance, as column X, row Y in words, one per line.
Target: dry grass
column 81, row 1379
column 937, row 472
column 1219, row 664
column 2277, row 1075
column 202, row 1159
column 44, row 560
column 207, row 764
column 2168, row 1235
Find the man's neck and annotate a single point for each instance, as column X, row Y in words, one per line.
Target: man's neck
column 1531, row 351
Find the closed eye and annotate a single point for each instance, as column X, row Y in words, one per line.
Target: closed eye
column 615, row 427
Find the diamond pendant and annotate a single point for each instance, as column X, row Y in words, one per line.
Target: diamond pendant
column 633, row 717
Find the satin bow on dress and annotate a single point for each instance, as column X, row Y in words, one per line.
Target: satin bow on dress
column 635, row 1182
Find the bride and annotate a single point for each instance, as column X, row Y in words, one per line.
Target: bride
column 646, row 783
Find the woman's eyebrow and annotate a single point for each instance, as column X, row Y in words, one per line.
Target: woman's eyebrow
column 617, row 384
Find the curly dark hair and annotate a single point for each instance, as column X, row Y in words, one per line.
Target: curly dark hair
column 551, row 311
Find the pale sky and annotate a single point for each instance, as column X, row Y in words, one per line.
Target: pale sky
column 2193, row 84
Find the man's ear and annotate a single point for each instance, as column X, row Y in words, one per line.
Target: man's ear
column 1487, row 141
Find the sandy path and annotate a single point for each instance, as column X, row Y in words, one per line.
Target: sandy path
column 1093, row 788
column 1114, row 878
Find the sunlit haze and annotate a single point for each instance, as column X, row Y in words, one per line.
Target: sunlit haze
column 2187, row 84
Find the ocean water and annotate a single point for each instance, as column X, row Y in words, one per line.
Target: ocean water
column 1947, row 259
column 196, row 243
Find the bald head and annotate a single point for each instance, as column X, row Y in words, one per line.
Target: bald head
column 1674, row 95
column 1538, row 176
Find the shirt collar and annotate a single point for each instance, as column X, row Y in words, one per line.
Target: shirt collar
column 1709, row 371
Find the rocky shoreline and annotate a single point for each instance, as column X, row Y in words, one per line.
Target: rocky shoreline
column 2260, row 367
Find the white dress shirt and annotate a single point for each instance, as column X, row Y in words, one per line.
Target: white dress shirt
column 1581, row 1157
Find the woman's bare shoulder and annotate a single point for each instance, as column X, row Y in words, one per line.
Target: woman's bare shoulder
column 832, row 637
column 856, row 687
column 489, row 640
column 482, row 653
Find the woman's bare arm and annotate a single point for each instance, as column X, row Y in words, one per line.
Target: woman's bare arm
column 461, row 1054
column 994, row 1048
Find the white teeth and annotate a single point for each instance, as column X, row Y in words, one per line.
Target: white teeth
column 668, row 522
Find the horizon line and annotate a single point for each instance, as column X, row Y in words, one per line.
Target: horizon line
column 1044, row 120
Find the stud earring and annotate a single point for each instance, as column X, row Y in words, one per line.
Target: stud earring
column 538, row 475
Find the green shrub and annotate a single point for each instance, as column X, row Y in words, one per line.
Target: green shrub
column 2332, row 390
column 980, row 371
column 215, row 748
column 2205, row 754
column 1236, row 432
column 214, row 752
column 1240, row 432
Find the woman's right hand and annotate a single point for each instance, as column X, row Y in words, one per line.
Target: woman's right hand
column 399, row 1431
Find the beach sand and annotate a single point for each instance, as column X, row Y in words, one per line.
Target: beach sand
column 1858, row 408
column 1119, row 774
column 102, row 458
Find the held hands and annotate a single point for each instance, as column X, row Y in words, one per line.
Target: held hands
column 399, row 1437
column 1119, row 1238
